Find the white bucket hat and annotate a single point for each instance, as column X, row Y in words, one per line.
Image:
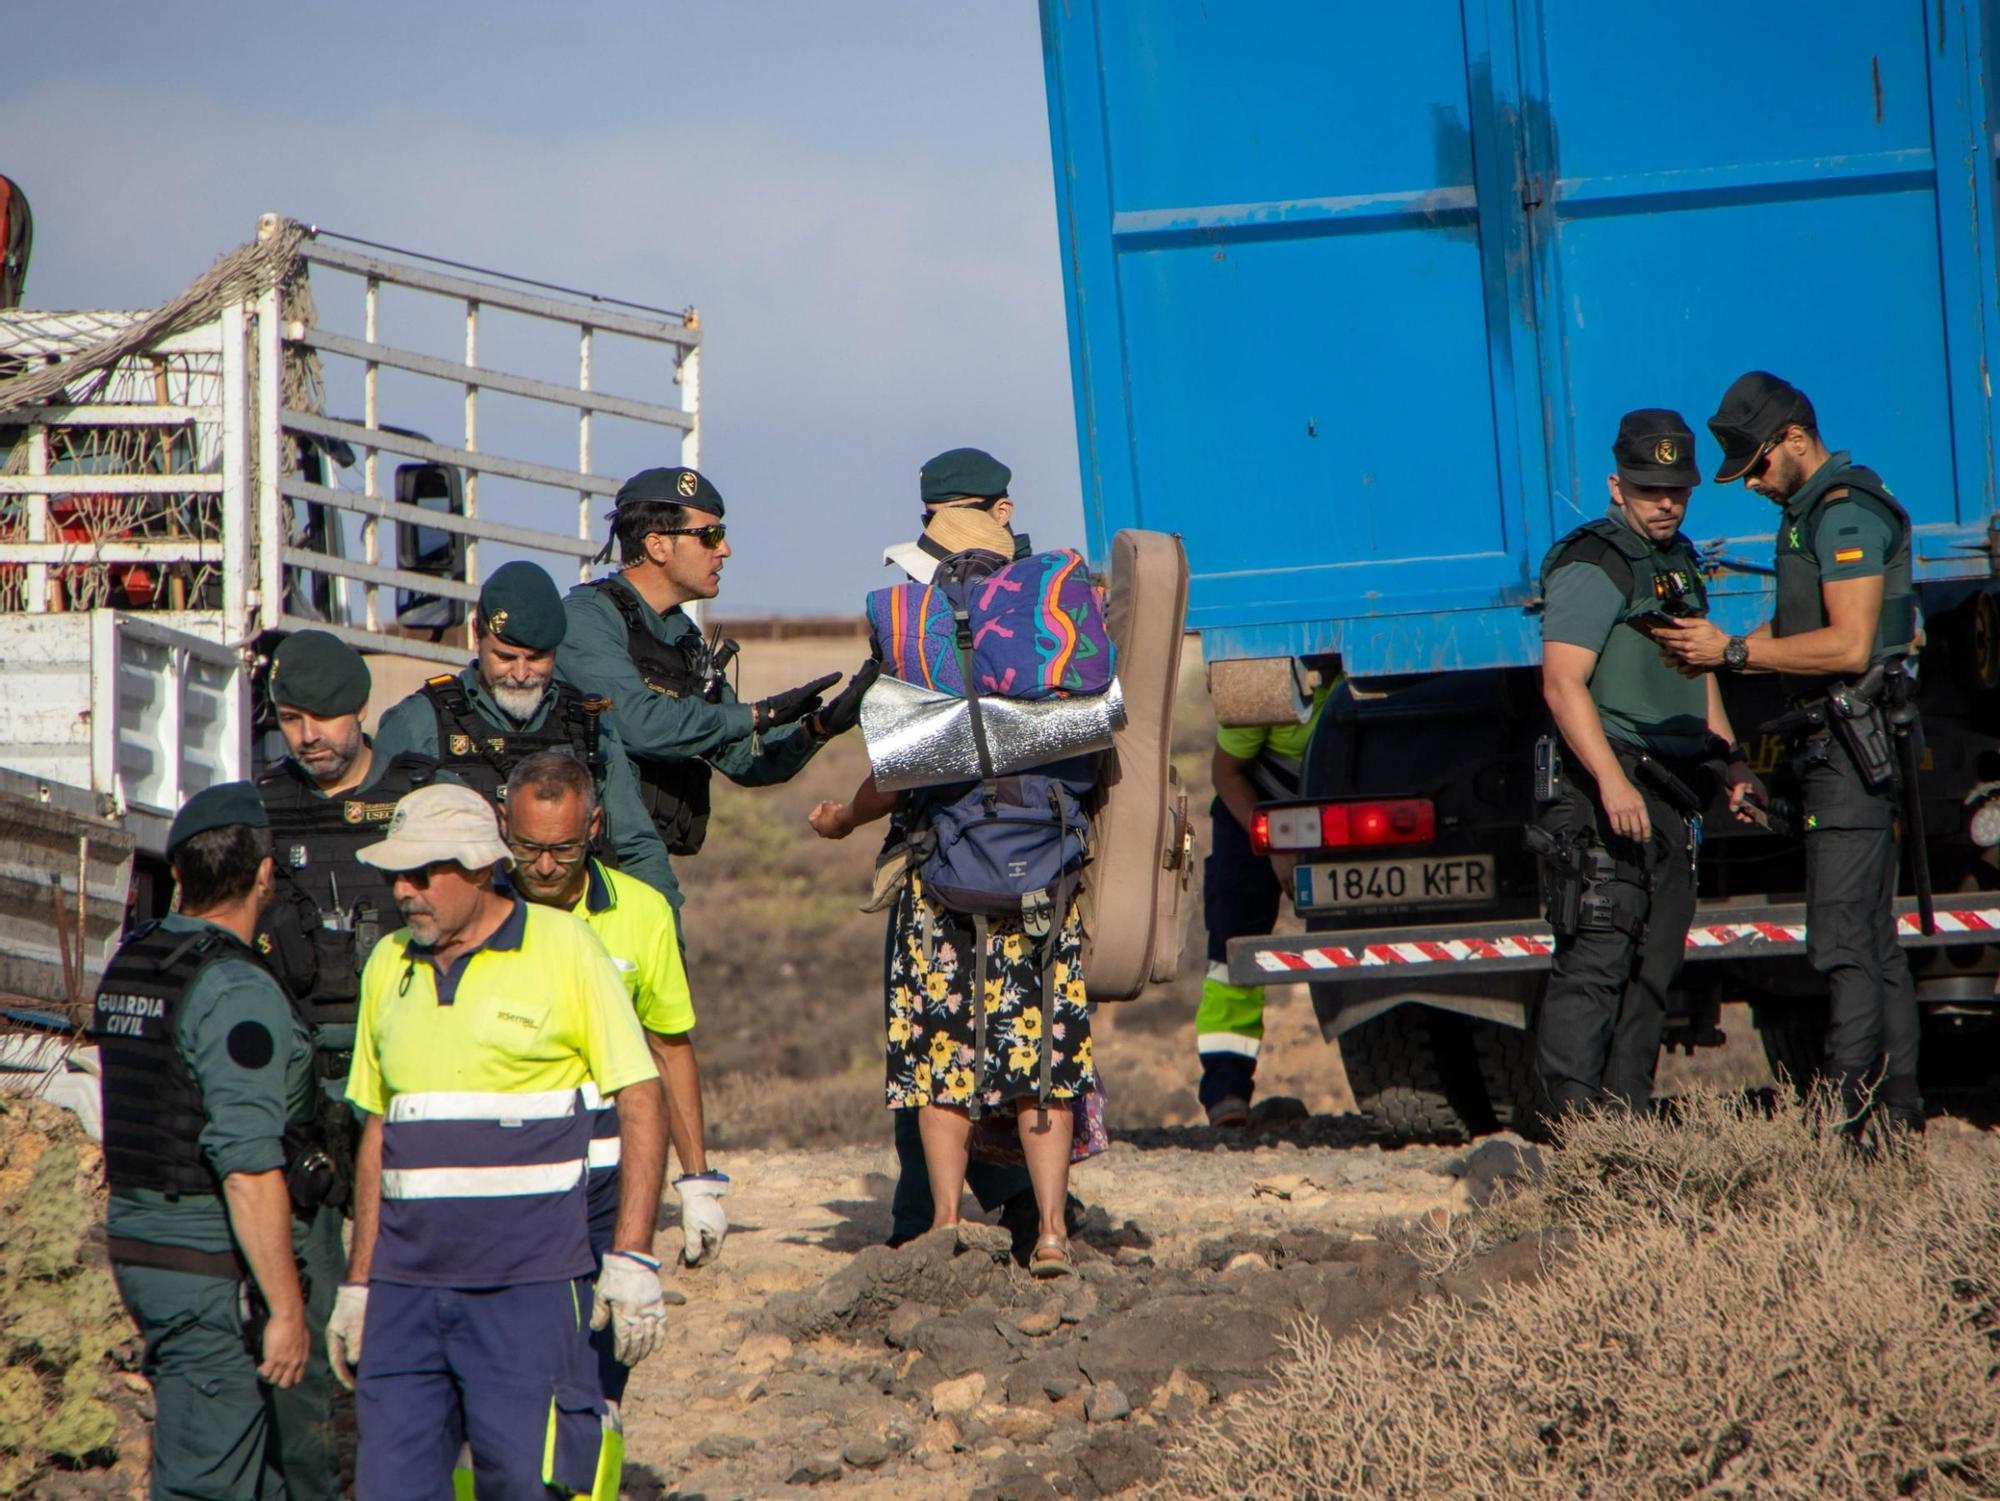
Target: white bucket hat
column 439, row 822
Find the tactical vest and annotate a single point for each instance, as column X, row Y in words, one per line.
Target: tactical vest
column 1801, row 605
column 676, row 793
column 483, row 755
column 153, row 1116
column 330, row 908
column 1648, row 577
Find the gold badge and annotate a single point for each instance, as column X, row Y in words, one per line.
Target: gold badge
column 461, row 745
column 497, row 622
column 1666, row 451
column 686, row 483
column 263, row 943
column 354, row 812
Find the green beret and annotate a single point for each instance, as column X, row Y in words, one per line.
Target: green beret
column 681, row 487
column 964, row 474
column 319, row 674
column 219, row 807
column 520, row 605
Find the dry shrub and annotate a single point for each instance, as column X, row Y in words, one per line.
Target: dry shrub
column 1744, row 1308
column 747, row 1110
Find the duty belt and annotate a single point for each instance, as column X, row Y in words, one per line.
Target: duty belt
column 224, row 1264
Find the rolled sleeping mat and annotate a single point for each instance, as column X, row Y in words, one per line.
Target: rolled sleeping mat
column 1137, row 886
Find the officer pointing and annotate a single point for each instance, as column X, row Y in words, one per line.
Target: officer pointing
column 1840, row 639
column 1619, row 829
column 206, row 1073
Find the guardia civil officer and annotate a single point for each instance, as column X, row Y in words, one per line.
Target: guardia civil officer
column 207, row 1078
column 1845, row 606
column 325, row 800
column 1616, row 842
column 509, row 703
column 487, row 1027
column 677, row 717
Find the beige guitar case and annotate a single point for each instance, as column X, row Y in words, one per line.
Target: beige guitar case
column 1137, row 885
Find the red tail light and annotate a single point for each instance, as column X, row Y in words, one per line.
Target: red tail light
column 1298, row 827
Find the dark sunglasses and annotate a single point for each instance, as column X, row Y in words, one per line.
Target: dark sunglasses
column 421, row 876
column 709, row 536
column 1763, row 460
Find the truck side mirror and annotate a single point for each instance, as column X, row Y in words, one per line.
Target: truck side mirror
column 430, row 549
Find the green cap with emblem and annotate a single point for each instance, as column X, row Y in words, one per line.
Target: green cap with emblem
column 522, row 607
column 680, row 487
column 963, row 474
column 219, row 807
column 319, row 674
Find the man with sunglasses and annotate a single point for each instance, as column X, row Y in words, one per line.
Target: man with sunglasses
column 480, row 723
column 1845, row 606
column 550, row 817
column 678, row 718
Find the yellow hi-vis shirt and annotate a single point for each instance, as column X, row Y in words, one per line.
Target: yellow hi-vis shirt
column 636, row 925
column 537, row 1007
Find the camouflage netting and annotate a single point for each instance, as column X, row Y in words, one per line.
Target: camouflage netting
column 68, row 1400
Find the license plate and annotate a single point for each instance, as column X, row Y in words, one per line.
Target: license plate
column 1429, row 881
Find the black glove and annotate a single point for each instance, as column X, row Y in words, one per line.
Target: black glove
column 791, row 705
column 844, row 713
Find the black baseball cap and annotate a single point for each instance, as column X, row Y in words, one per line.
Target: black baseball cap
column 1655, row 448
column 1755, row 409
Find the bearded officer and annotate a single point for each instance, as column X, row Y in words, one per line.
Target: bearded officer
column 206, row 1075
column 1618, row 849
column 1845, row 606
column 509, row 703
column 677, row 717
column 325, row 800
column 487, row 1028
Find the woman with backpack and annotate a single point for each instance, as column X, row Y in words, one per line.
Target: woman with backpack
column 988, row 1024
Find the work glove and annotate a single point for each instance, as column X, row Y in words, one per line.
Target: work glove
column 791, row 705
column 343, row 1331
column 704, row 1222
column 628, row 1299
column 844, row 713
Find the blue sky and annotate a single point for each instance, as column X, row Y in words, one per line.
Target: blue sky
column 855, row 193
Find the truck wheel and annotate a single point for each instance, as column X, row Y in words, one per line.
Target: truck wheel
column 1415, row 1075
column 1794, row 1038
column 1507, row 1068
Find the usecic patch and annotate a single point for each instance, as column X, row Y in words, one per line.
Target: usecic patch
column 1849, row 555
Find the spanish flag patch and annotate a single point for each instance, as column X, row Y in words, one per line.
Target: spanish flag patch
column 1849, row 555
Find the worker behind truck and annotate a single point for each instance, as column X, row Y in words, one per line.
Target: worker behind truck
column 508, row 704
column 1620, row 794
column 1841, row 640
column 328, row 797
column 209, row 1108
column 1240, row 894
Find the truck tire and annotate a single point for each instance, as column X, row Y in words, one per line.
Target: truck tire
column 1415, row 1076
column 1794, row 1038
column 1507, row 1068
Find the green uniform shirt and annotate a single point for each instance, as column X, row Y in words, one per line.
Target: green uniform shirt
column 247, row 1108
column 1640, row 699
column 412, row 726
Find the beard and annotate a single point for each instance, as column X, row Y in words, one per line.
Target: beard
column 422, row 923
column 518, row 704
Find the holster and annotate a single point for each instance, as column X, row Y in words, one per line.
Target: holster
column 1855, row 715
column 1573, row 866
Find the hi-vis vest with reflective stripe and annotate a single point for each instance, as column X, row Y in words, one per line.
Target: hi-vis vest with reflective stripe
column 485, row 1189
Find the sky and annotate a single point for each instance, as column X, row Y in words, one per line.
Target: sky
column 855, row 194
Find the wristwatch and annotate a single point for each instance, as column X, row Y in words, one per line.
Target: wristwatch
column 1736, row 655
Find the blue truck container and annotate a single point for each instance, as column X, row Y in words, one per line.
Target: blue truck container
column 1357, row 293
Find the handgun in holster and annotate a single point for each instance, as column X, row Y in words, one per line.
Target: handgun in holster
column 1573, row 868
column 1854, row 711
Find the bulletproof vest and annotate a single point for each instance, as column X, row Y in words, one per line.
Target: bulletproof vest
column 330, row 908
column 153, row 1115
column 676, row 793
column 482, row 754
column 1802, row 607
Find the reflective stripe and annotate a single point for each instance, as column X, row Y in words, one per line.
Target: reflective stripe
column 481, row 1182
column 1227, row 1042
column 604, row 1151
column 482, row 1105
column 592, row 1100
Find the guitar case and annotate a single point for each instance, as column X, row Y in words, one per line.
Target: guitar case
column 1137, row 886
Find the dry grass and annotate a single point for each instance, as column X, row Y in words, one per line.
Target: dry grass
column 1741, row 1307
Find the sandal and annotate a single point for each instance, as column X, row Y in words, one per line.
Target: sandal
column 1051, row 1258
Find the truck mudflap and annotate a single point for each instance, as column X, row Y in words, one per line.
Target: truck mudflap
column 1731, row 932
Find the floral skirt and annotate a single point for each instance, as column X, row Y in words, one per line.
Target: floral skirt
column 933, row 1056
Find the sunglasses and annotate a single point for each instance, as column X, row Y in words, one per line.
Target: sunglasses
column 1764, row 455
column 565, row 855
column 709, row 536
column 421, row 876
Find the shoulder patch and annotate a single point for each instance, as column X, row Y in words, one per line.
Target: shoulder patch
column 1850, row 555
column 250, row 1045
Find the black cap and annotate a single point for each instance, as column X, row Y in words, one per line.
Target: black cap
column 963, row 474
column 1655, row 448
column 521, row 605
column 318, row 673
column 681, row 487
column 1755, row 409
column 218, row 807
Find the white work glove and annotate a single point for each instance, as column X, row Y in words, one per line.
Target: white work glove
column 629, row 1300
column 343, row 1331
column 704, row 1222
